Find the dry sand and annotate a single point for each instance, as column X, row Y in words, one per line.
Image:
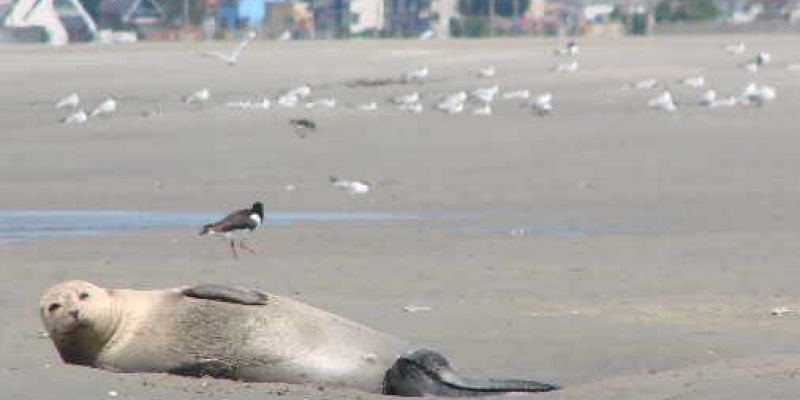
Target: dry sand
column 689, row 225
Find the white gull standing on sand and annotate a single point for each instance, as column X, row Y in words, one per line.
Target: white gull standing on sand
column 322, row 103
column 663, row 101
column 485, row 95
column 107, row 107
column 77, row 118
column 199, row 97
column 70, row 101
column 415, row 108
column 300, row 92
column 708, row 98
column 758, row 94
column 542, row 104
column 567, row 68
column 451, row 105
column 694, row 81
column 406, row 99
column 288, row 100
column 264, row 104
column 352, row 187
column 371, row 106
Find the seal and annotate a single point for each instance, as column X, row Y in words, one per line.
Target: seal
column 247, row 335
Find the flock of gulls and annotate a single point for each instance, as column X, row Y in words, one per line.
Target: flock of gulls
column 236, row 225
column 476, row 102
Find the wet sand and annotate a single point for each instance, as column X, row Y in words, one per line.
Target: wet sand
column 656, row 244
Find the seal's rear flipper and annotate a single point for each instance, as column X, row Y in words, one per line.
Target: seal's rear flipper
column 427, row 373
column 226, row 294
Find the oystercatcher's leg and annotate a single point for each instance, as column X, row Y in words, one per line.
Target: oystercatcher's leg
column 248, row 248
column 233, row 250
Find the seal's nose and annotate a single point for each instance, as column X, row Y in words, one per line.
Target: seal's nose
column 74, row 313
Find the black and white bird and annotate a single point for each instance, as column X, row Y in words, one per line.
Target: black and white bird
column 236, row 226
column 302, row 126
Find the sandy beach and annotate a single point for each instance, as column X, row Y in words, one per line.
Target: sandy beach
column 618, row 251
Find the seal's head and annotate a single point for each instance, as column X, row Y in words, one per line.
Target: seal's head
column 80, row 319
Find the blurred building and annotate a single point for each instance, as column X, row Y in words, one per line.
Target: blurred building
column 366, row 16
column 282, row 17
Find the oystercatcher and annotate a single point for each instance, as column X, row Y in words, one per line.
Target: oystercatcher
column 302, row 126
column 236, row 226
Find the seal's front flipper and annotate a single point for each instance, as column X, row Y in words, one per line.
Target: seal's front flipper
column 226, row 293
column 427, row 373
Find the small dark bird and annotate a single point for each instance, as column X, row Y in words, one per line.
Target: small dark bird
column 302, row 125
column 236, row 226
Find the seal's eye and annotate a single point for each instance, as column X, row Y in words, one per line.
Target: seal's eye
column 53, row 307
column 83, row 296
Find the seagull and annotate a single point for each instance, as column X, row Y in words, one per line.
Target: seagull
column 735, row 49
column 70, row 101
column 458, row 97
column 352, row 187
column 570, row 49
column 300, row 92
column 77, row 118
column 107, row 107
column 451, row 107
column 372, row 106
column 484, row 109
column 758, row 95
column 567, row 68
column 543, row 103
column 264, row 104
column 708, row 98
column 322, row 103
column 648, row 83
column 302, row 126
column 517, row 94
column 416, row 75
column 485, row 95
column 694, row 81
column 711, row 100
column 663, row 101
column 415, row 108
column 485, row 72
column 288, row 100
column 236, row 226
column 198, row 97
column 232, row 58
column 406, row 99
column 729, row 101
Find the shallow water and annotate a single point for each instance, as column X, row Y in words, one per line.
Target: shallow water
column 23, row 225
